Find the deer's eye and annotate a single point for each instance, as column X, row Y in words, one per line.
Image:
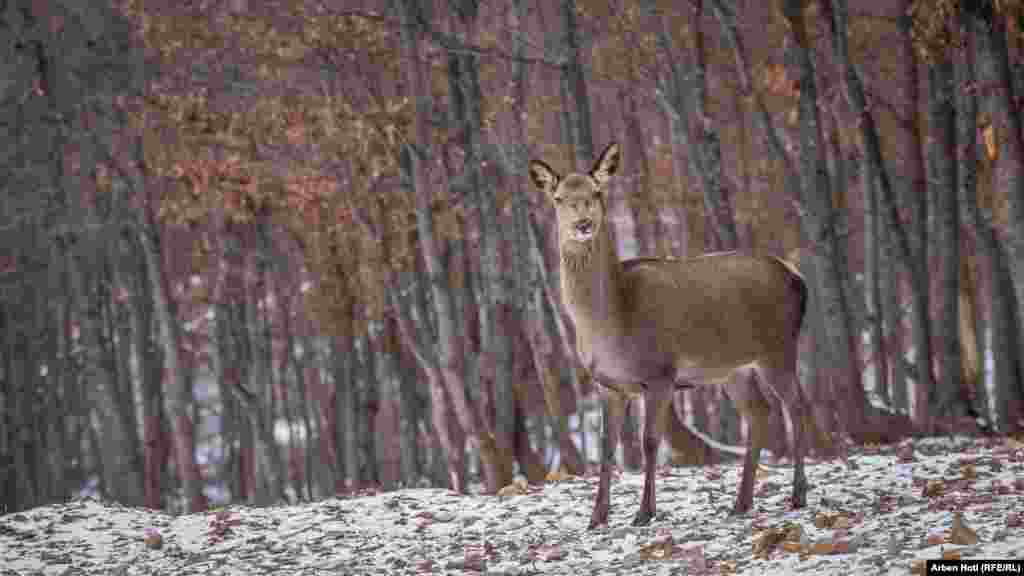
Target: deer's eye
column 558, row 200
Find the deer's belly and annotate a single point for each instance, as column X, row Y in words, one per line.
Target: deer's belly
column 628, row 365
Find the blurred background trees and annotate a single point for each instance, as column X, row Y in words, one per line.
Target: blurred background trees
column 262, row 252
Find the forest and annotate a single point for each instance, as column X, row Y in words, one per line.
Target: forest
column 262, row 252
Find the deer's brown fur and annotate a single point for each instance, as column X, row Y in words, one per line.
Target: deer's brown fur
column 648, row 326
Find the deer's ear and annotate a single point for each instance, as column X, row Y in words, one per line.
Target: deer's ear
column 606, row 165
column 543, row 177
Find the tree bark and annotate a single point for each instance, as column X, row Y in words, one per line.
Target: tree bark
column 819, row 223
column 878, row 349
column 917, row 196
column 576, row 88
column 972, row 325
column 995, row 70
column 448, row 340
column 945, row 397
column 179, row 378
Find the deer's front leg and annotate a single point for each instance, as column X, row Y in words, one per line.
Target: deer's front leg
column 654, row 398
column 613, row 407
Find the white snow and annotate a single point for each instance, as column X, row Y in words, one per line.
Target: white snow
column 892, row 499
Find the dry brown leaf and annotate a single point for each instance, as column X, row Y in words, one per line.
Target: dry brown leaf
column 950, row 554
column 917, row 567
column 932, row 489
column 823, row 548
column 767, row 540
column 969, row 472
column 517, row 488
column 935, row 539
column 962, row 533
column 557, row 476
column 790, row 546
column 821, row 520
column 988, row 135
column 658, row 550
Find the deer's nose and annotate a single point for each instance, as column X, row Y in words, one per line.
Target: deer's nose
column 585, row 226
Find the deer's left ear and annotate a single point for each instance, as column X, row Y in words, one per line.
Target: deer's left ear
column 606, row 165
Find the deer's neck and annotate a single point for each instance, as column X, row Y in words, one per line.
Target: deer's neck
column 591, row 281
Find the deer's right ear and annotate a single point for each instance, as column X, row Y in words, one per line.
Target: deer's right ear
column 543, row 177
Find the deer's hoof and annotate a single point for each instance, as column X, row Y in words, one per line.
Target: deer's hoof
column 642, row 518
column 739, row 509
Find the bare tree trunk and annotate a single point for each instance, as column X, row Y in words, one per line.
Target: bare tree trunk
column 122, row 477
column 576, row 88
column 291, row 360
column 994, row 70
column 972, row 326
column 709, row 145
column 448, row 341
column 368, row 404
column 872, row 283
column 495, row 306
column 918, row 199
column 945, row 398
column 150, row 372
column 640, row 200
column 892, row 310
column 179, row 380
column 344, row 413
column 819, row 223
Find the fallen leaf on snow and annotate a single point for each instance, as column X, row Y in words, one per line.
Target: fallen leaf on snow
column 969, row 472
column 932, row 489
column 517, row 488
column 557, row 476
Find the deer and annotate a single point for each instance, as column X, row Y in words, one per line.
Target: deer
column 647, row 327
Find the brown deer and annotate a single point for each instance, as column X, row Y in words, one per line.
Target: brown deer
column 649, row 326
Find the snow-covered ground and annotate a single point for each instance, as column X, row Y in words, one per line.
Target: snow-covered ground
column 879, row 512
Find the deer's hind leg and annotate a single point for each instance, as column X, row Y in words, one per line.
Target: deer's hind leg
column 781, row 377
column 752, row 405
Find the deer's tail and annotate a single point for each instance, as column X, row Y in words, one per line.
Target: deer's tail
column 798, row 286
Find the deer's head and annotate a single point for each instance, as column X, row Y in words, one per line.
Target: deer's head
column 579, row 199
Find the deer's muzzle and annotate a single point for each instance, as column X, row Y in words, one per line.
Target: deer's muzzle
column 583, row 229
